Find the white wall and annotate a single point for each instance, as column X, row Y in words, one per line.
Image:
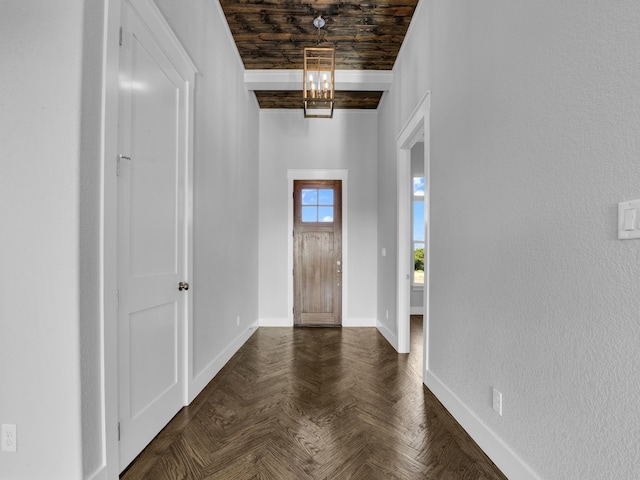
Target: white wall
column 535, row 119
column 225, row 283
column 50, row 92
column 409, row 87
column 90, row 239
column 49, row 187
column 289, row 141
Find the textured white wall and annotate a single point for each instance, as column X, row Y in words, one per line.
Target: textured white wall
column 288, row 141
column 226, row 181
column 90, row 238
column 535, row 119
column 49, row 196
column 409, row 87
column 43, row 224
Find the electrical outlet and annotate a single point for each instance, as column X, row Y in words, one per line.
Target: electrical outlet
column 497, row 401
column 387, row 314
column 238, row 321
column 9, row 440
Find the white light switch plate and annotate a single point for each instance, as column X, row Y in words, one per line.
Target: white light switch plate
column 629, row 220
column 497, row 401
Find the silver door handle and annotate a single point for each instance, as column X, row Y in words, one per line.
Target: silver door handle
column 183, row 286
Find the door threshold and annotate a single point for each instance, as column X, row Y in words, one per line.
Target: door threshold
column 317, row 325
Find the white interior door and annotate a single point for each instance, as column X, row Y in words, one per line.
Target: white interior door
column 151, row 238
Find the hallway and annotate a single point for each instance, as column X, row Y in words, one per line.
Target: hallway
column 316, row 403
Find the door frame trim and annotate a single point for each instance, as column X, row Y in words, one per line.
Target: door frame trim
column 153, row 19
column 416, row 129
column 311, row 174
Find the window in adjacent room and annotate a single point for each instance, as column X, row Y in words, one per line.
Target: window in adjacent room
column 418, row 231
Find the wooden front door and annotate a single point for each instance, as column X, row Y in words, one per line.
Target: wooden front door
column 317, row 252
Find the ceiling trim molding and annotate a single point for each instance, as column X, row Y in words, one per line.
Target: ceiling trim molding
column 346, row 80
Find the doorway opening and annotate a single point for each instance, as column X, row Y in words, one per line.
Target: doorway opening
column 415, row 131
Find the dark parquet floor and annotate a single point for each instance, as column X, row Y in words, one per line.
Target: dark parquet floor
column 316, row 403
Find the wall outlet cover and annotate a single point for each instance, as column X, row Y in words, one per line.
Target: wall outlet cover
column 9, row 439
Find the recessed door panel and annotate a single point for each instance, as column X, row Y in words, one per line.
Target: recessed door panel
column 318, row 273
column 154, row 148
column 153, row 354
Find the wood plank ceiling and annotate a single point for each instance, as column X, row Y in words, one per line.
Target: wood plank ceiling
column 271, row 34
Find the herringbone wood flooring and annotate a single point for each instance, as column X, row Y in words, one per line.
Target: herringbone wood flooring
column 316, row 403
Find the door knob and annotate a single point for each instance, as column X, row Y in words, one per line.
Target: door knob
column 183, row 286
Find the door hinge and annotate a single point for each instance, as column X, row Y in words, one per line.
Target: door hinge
column 118, row 431
column 120, row 38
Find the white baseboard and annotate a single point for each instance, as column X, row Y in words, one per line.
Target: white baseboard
column 348, row 322
column 275, row 322
column 359, row 322
column 498, row 451
column 100, row 474
column 201, row 379
column 391, row 337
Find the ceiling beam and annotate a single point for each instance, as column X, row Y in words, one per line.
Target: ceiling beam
column 346, row 80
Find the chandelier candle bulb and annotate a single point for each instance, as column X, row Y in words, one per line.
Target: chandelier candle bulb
column 318, row 98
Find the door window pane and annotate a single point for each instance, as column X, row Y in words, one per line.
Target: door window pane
column 309, row 196
column 325, row 197
column 310, row 214
column 325, row 214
